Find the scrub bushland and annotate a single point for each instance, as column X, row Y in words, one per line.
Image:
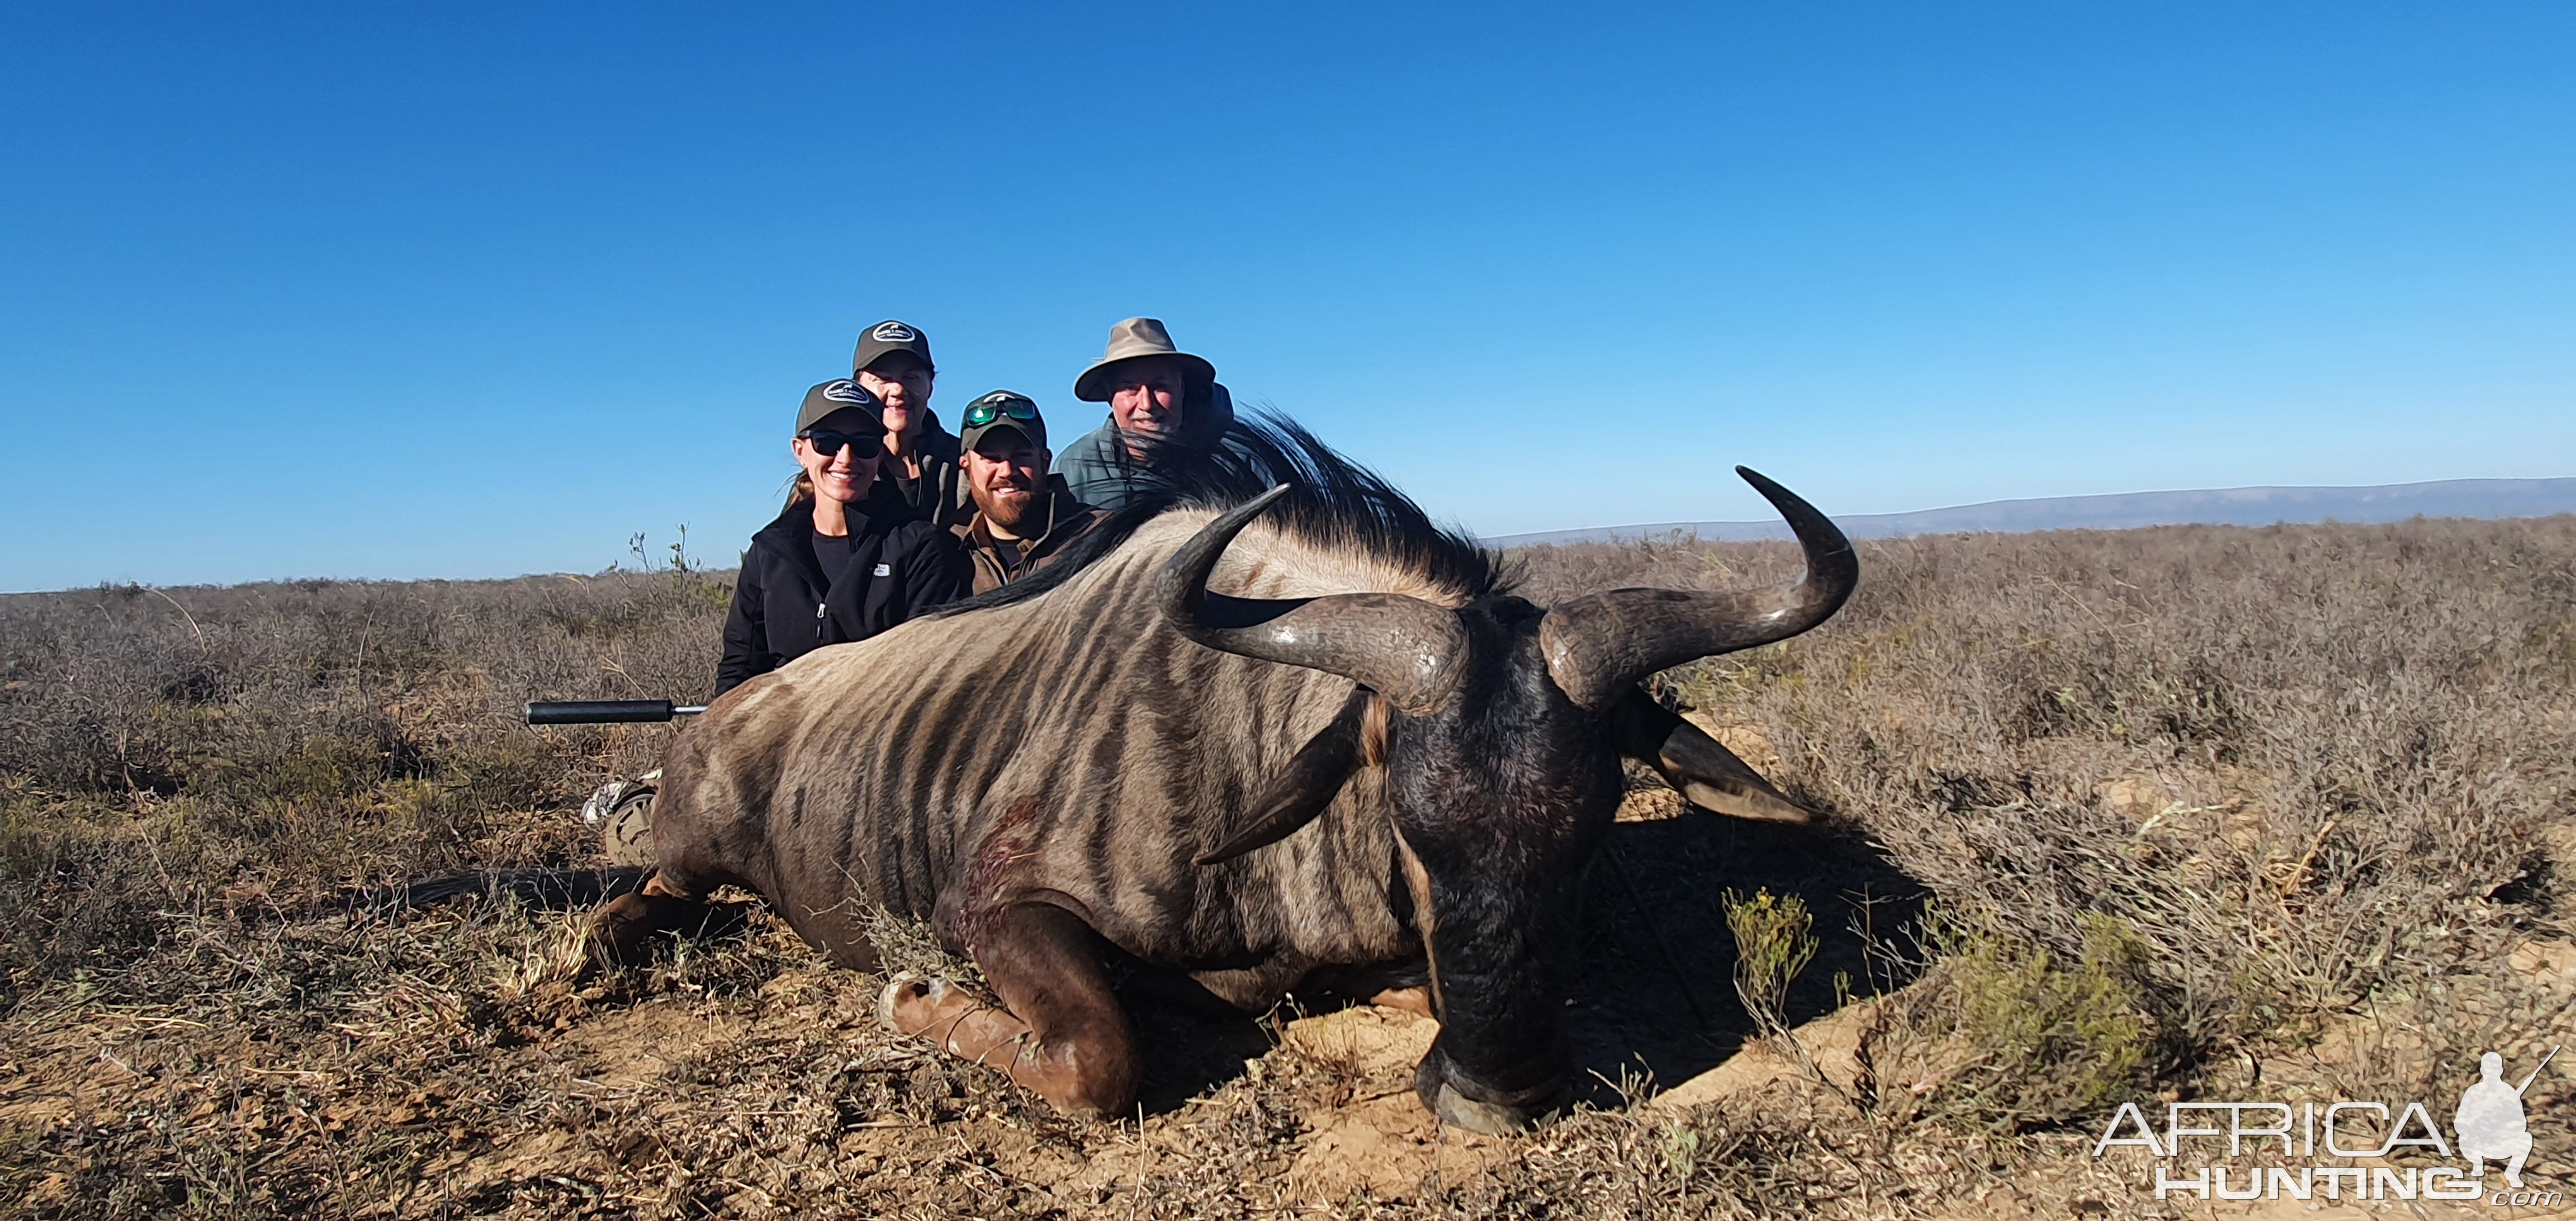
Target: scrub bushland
column 2198, row 812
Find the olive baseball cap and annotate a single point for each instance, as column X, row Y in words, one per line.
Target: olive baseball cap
column 840, row 394
column 890, row 336
column 1003, row 409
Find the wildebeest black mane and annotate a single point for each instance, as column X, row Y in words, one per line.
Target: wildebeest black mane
column 1336, row 504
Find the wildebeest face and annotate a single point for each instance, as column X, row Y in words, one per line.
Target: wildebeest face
column 1506, row 728
column 1501, row 799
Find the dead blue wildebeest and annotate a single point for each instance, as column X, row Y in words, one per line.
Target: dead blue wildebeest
column 1254, row 734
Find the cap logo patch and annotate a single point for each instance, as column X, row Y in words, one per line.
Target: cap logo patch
column 893, row 332
column 845, row 391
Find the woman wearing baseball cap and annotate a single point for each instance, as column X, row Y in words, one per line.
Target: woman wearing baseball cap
column 847, row 558
column 893, row 363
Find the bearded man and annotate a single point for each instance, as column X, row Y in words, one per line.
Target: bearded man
column 1024, row 516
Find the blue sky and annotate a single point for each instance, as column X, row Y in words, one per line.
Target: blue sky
column 411, row 289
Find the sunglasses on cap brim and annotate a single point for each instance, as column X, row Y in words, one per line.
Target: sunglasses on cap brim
column 985, row 411
column 828, row 443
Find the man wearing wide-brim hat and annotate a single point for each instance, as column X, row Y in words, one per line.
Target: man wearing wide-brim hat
column 1158, row 396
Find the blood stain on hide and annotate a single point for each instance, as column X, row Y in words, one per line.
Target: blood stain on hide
column 988, row 877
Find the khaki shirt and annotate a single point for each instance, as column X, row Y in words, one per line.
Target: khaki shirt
column 998, row 562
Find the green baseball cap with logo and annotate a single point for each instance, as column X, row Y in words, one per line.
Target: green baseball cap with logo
column 841, row 394
column 1002, row 409
column 887, row 337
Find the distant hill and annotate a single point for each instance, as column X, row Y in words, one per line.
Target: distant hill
column 2122, row 511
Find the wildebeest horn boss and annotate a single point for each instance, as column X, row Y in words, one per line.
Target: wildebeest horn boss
column 1262, row 735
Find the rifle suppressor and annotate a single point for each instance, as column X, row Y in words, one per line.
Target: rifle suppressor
column 607, row 712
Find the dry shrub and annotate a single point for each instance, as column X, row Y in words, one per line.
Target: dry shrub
column 906, row 946
column 268, row 744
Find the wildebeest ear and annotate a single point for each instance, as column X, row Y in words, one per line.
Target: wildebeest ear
column 1706, row 772
column 1301, row 793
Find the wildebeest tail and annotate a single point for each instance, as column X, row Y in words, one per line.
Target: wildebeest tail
column 550, row 889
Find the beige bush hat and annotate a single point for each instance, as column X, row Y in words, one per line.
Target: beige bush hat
column 1130, row 340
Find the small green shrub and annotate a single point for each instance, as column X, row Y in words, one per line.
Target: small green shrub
column 2038, row 1040
column 1773, row 943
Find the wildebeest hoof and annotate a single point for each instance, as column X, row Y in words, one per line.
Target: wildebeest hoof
column 934, row 1008
column 1458, row 1110
column 903, row 991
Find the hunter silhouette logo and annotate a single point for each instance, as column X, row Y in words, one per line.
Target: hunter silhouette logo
column 893, row 332
column 2490, row 1123
column 2490, row 1120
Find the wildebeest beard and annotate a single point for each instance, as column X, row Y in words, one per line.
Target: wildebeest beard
column 1248, row 735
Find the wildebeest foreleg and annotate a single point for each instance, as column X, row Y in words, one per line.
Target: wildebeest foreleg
column 1062, row 1035
column 621, row 931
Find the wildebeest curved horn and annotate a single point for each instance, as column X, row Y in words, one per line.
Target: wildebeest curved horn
column 1705, row 771
column 1406, row 649
column 1599, row 645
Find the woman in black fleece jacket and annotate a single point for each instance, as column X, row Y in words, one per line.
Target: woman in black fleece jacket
column 846, row 559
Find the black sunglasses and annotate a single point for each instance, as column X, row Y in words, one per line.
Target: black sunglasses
column 826, row 442
column 984, row 411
